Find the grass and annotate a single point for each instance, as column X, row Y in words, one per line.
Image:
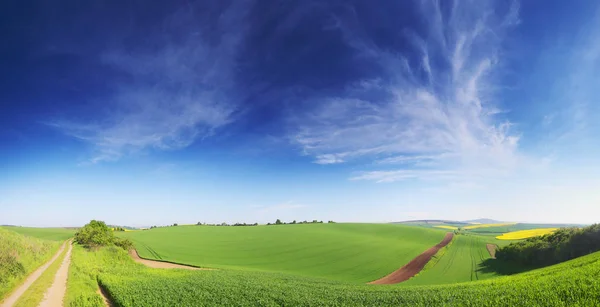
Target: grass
column 524, row 234
column 82, row 285
column 20, row 256
column 460, row 261
column 35, row 294
column 348, row 252
column 55, row 234
column 572, row 283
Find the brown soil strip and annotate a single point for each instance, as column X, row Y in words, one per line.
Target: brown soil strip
column 104, row 295
column 414, row 266
column 492, row 250
column 15, row 295
column 160, row 264
column 56, row 293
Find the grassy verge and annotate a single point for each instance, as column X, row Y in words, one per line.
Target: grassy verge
column 35, row 294
column 82, row 284
column 19, row 256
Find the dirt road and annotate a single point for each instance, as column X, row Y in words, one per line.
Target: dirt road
column 160, row 264
column 55, row 294
column 15, row 295
column 414, row 266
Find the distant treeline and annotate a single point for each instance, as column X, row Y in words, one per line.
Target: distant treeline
column 562, row 245
column 277, row 222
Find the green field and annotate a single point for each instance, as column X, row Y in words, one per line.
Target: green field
column 348, row 252
column 572, row 283
column 56, row 234
column 460, row 261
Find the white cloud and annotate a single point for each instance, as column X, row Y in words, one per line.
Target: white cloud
column 171, row 96
column 439, row 128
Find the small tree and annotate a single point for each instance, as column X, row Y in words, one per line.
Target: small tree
column 278, row 222
column 175, row 224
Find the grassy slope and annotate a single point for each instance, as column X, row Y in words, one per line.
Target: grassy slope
column 19, row 256
column 350, row 252
column 461, row 261
column 56, row 234
column 573, row 283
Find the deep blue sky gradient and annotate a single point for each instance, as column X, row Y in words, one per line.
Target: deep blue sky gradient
column 146, row 113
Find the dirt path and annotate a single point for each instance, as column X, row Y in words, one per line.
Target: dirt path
column 492, row 250
column 160, row 264
column 15, row 295
column 414, row 266
column 56, row 293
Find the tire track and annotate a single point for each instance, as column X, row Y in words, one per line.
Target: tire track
column 56, row 293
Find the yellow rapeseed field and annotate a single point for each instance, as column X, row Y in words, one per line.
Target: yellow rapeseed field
column 487, row 225
column 524, row 234
column 447, row 227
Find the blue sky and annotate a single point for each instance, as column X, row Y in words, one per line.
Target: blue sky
column 247, row 111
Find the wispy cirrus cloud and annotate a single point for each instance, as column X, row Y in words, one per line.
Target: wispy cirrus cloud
column 177, row 87
column 433, row 118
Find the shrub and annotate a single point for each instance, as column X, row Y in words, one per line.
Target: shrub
column 97, row 234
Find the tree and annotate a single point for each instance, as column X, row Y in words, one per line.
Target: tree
column 175, row 224
column 278, row 222
column 97, row 234
column 294, row 222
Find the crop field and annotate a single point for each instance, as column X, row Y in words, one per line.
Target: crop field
column 572, row 283
column 461, row 261
column 477, row 226
column 55, row 234
column 446, row 227
column 498, row 230
column 524, row 234
column 348, row 252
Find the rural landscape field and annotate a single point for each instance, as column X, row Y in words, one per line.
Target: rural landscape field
column 312, row 264
column 299, row 153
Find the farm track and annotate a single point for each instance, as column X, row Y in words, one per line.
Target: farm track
column 492, row 250
column 161, row 264
column 56, row 293
column 414, row 266
column 15, row 295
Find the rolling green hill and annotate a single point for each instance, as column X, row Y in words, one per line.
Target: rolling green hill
column 349, row 252
column 55, row 234
column 573, row 283
column 461, row 261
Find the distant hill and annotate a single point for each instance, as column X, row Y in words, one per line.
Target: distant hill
column 483, row 221
column 431, row 222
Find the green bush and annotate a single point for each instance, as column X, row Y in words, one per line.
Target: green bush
column 96, row 234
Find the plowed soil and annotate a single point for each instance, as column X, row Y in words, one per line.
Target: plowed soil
column 492, row 250
column 414, row 266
